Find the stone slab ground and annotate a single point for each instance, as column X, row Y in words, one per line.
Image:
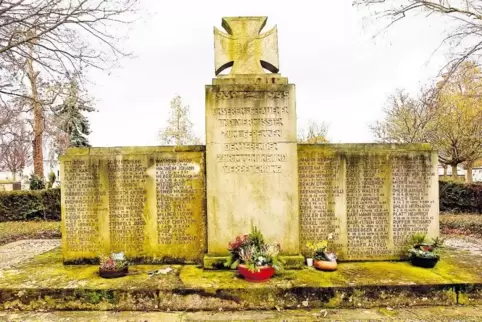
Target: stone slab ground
column 24, row 250
column 459, row 313
column 44, row 283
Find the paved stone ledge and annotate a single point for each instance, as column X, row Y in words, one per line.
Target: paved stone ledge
column 443, row 313
column 44, row 283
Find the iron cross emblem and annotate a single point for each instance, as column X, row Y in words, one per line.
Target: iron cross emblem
column 243, row 47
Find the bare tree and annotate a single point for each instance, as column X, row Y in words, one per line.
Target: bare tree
column 15, row 147
column 8, row 114
column 464, row 30
column 451, row 120
column 64, row 34
column 179, row 128
column 407, row 119
column 458, row 132
column 44, row 42
column 315, row 133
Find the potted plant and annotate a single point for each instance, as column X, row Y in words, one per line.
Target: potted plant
column 323, row 260
column 114, row 265
column 255, row 260
column 423, row 253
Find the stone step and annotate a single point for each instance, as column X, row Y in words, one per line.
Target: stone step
column 443, row 313
column 44, row 283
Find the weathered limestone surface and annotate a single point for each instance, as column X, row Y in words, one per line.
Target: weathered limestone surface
column 243, row 48
column 147, row 202
column 251, row 161
column 372, row 197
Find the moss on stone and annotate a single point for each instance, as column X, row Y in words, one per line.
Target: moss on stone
column 388, row 312
column 214, row 262
column 47, row 271
column 293, row 261
column 44, row 283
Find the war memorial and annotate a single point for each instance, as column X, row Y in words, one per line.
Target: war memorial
column 180, row 206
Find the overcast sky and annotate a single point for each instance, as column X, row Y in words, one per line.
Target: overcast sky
column 342, row 75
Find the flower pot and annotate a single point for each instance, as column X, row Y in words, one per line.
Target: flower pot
column 113, row 274
column 424, row 262
column 326, row 265
column 309, row 262
column 263, row 275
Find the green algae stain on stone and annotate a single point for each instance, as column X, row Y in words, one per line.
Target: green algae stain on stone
column 388, row 312
column 245, row 157
column 45, row 283
column 370, row 197
column 147, row 202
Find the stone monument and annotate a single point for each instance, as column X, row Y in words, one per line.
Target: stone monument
column 145, row 201
column 251, row 147
column 184, row 204
column 371, row 197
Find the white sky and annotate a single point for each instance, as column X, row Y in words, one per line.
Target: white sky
column 342, row 75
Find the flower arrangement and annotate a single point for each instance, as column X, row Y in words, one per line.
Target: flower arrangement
column 423, row 253
column 323, row 259
column 252, row 252
column 114, row 265
column 320, row 250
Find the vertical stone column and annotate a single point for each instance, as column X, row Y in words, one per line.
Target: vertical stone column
column 251, row 162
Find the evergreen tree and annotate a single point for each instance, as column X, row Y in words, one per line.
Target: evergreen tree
column 70, row 118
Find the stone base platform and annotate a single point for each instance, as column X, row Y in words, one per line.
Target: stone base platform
column 44, row 283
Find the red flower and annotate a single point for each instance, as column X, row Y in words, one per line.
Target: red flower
column 238, row 242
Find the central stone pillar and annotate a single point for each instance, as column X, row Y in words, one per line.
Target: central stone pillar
column 251, row 163
column 251, row 148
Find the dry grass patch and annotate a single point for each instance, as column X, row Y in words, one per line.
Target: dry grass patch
column 16, row 230
column 461, row 224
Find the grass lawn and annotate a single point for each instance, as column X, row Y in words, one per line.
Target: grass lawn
column 15, row 230
column 464, row 224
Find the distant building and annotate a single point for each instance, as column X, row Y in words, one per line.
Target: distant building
column 9, row 185
column 462, row 173
column 23, row 176
column 477, row 174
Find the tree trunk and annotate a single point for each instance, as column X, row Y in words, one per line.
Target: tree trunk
column 468, row 177
column 38, row 120
column 445, row 170
column 454, row 172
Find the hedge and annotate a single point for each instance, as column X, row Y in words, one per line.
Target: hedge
column 30, row 204
column 459, row 197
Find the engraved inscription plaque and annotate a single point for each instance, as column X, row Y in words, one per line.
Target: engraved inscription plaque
column 83, row 199
column 321, row 185
column 372, row 198
column 146, row 202
column 181, row 205
column 251, row 160
column 127, row 180
column 367, row 206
